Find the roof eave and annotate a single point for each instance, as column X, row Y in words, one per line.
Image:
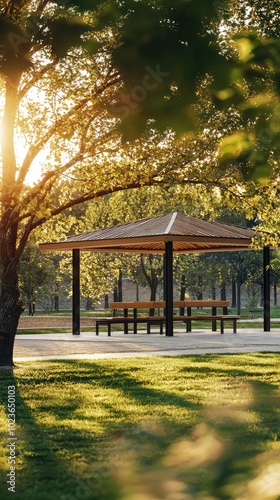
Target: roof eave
column 124, row 243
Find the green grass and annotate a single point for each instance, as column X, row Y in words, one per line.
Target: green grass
column 95, row 314
column 196, row 325
column 274, row 312
column 193, row 426
column 27, row 331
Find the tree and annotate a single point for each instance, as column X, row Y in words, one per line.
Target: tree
column 56, row 128
column 63, row 96
column 275, row 267
column 98, row 274
column 128, row 206
column 236, row 44
column 195, row 273
column 37, row 276
column 242, row 81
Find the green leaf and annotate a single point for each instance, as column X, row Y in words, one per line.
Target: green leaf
column 92, row 46
column 260, row 173
column 81, row 5
column 66, row 33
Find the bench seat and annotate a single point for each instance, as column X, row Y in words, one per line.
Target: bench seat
column 219, row 317
column 160, row 320
column 125, row 320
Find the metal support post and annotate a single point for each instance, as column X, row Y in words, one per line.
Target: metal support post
column 76, row 293
column 168, row 277
column 266, row 289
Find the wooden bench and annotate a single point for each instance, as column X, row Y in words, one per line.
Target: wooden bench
column 160, row 320
column 217, row 317
column 125, row 320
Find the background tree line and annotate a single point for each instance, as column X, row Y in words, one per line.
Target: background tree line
column 99, row 97
column 208, row 275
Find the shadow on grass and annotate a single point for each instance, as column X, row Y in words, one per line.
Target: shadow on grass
column 42, row 468
column 69, row 461
column 245, row 438
column 42, row 472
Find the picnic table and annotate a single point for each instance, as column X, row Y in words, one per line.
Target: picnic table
column 130, row 314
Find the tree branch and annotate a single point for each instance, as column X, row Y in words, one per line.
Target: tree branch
column 41, row 7
column 133, row 185
column 13, row 7
column 36, row 148
column 148, row 278
column 23, row 240
column 87, row 197
column 52, row 175
column 8, row 148
column 36, row 78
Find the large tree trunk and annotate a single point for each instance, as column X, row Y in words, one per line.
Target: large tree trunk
column 238, row 295
column 182, row 293
column 223, row 292
column 153, row 290
column 233, row 293
column 153, row 294
column 10, row 305
column 120, row 287
column 106, row 301
column 10, row 311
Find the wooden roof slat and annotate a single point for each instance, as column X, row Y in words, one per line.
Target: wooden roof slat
column 150, row 235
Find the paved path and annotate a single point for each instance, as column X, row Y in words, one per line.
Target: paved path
column 89, row 346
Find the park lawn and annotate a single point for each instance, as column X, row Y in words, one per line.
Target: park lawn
column 199, row 427
column 196, row 325
column 30, row 331
column 99, row 313
column 245, row 313
column 275, row 313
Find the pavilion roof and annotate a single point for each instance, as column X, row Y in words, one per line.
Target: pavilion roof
column 188, row 234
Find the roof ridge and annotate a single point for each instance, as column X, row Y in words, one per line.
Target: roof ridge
column 171, row 222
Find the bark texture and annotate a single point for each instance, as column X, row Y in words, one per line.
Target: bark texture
column 10, row 311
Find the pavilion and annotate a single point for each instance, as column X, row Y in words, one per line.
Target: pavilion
column 167, row 234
